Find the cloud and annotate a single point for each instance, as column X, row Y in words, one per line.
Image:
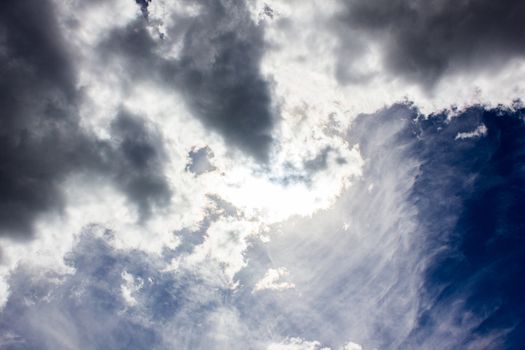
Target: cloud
column 323, row 53
column 43, row 140
column 379, row 265
column 220, row 74
column 374, row 267
column 122, row 299
column 272, row 280
column 296, row 344
column 479, row 131
column 129, row 287
column 424, row 42
column 396, row 229
column 82, row 310
column 352, row 346
column 216, row 69
column 138, row 163
column 353, row 282
column 40, row 138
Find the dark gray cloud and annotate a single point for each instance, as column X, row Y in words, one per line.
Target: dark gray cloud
column 41, row 141
column 218, row 71
column 138, row 162
column 425, row 40
column 39, row 134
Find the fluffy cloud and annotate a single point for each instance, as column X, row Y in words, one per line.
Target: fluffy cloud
column 272, row 280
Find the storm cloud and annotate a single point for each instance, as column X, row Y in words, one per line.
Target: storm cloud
column 137, row 162
column 423, row 42
column 220, row 72
column 217, row 70
column 41, row 139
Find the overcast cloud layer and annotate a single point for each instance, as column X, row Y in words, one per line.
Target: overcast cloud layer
column 241, row 174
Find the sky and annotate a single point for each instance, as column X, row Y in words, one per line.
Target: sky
column 273, row 175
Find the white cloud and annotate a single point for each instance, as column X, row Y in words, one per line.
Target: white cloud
column 296, row 344
column 352, row 346
column 225, row 243
column 272, row 280
column 356, row 279
column 480, row 131
column 129, row 286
